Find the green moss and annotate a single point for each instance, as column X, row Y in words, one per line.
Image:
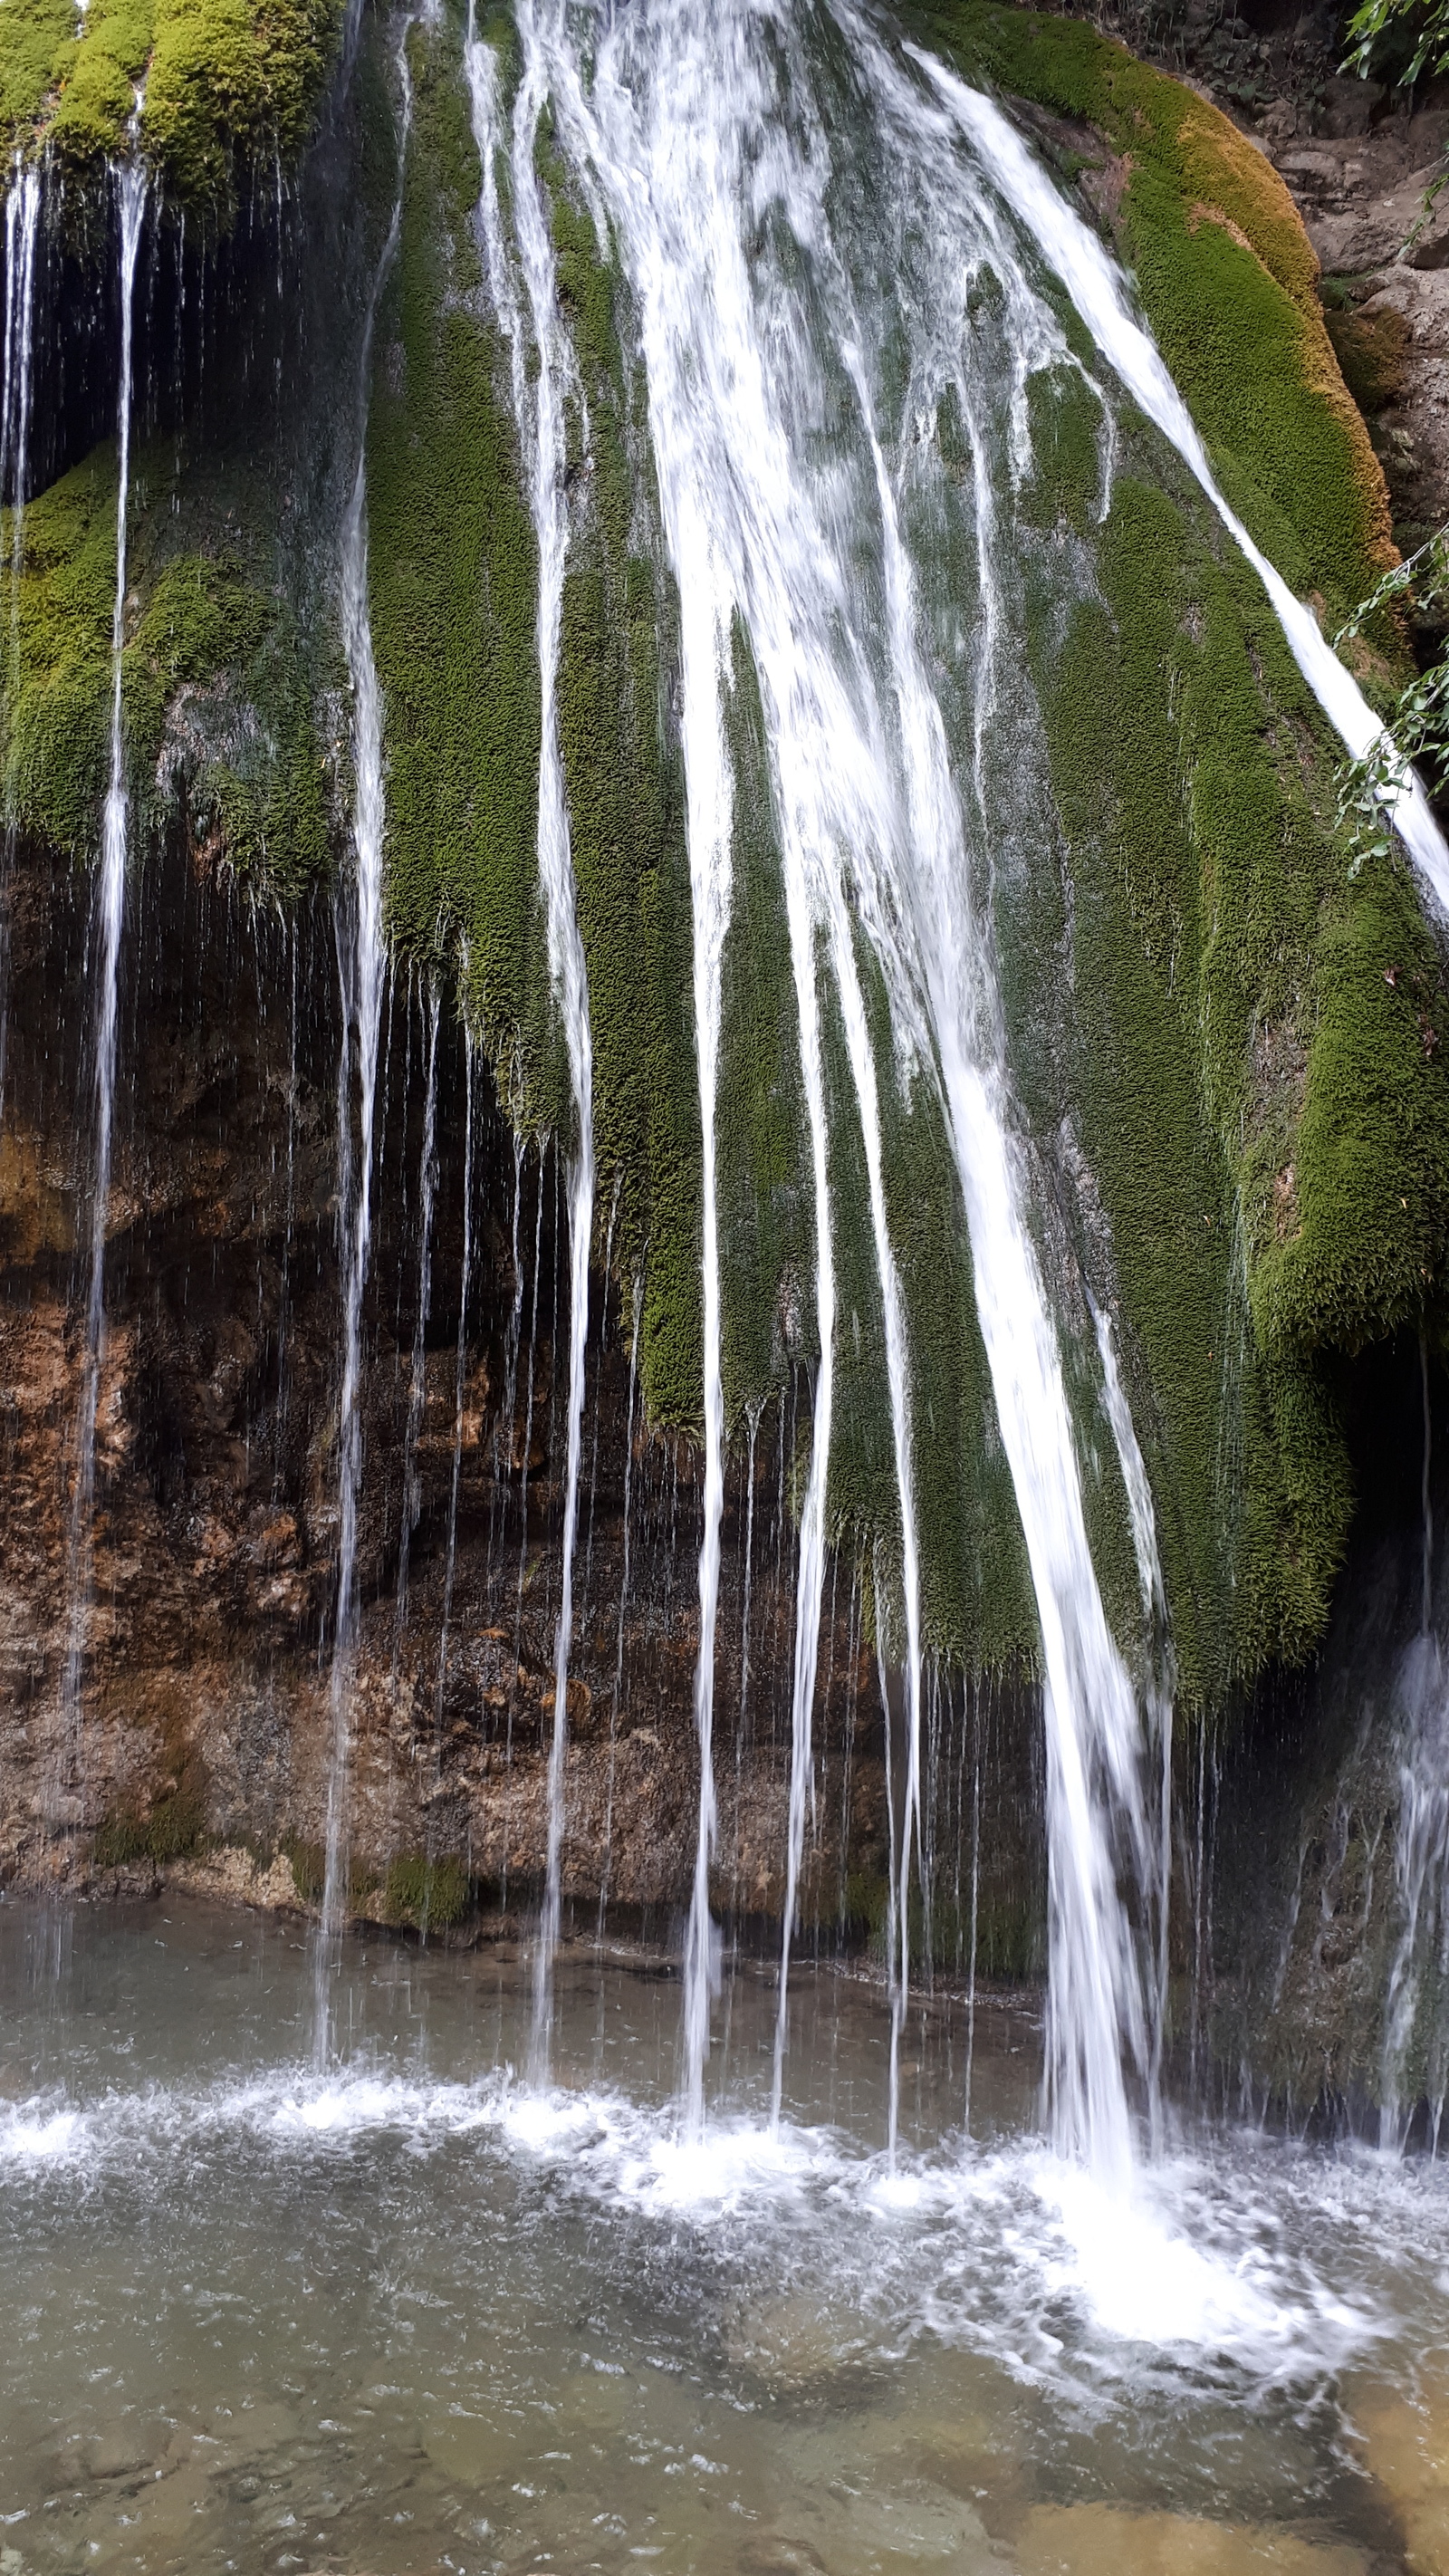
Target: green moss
column 232, row 84
column 763, row 1189
column 228, row 85
column 171, row 1823
column 309, row 1877
column 1228, row 281
column 977, row 1606
column 37, row 43
column 453, row 580
column 1372, row 350
column 1256, row 1072
column 103, row 71
column 432, row 1895
column 624, row 778
column 218, row 693
column 309, row 1870
column 1353, row 1229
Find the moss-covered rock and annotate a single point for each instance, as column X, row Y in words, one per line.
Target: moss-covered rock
column 623, row 774
column 452, row 569
column 1236, row 1030
column 220, row 703
column 203, row 89
column 431, row 1895
column 1257, row 1075
column 1228, row 280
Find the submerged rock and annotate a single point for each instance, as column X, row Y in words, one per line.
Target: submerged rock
column 1113, row 2540
column 1406, row 2451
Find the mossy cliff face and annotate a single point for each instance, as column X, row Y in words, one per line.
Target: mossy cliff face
column 206, row 91
column 1252, row 1069
column 1224, row 1033
column 219, row 702
column 206, row 1729
column 1228, row 282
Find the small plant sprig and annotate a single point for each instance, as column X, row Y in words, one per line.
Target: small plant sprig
column 1416, row 728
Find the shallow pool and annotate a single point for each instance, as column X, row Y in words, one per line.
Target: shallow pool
column 409, row 2314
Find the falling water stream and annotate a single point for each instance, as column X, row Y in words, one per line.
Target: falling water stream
column 107, row 919
column 540, row 410
column 417, row 1378
column 362, row 967
column 686, row 134
column 22, row 228
column 762, row 309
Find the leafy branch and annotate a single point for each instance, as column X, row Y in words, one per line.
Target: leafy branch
column 1416, row 728
column 1424, row 22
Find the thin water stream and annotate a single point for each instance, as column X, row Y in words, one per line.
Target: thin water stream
column 539, row 401
column 22, row 232
column 362, row 968
column 107, row 920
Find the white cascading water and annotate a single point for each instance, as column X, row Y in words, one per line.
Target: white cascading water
column 797, row 361
column 1159, row 1672
column 1415, row 2058
column 22, row 226
column 460, row 1390
column 691, row 137
column 1416, row 2006
column 362, row 966
column 110, row 902
column 541, row 417
column 709, row 791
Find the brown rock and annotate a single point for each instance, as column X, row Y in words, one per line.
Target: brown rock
column 1406, row 2449
column 1111, row 2540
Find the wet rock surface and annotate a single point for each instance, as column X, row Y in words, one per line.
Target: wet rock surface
column 198, row 1744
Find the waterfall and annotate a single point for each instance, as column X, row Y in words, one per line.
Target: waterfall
column 539, row 411
column 703, row 644
column 460, row 1387
column 22, row 225
column 362, row 961
column 759, row 316
column 1415, row 2062
column 110, row 899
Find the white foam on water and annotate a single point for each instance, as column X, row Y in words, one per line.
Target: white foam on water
column 1259, row 2260
column 1144, row 2281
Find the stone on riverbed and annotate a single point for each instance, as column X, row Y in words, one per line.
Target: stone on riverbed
column 1112, row 2540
